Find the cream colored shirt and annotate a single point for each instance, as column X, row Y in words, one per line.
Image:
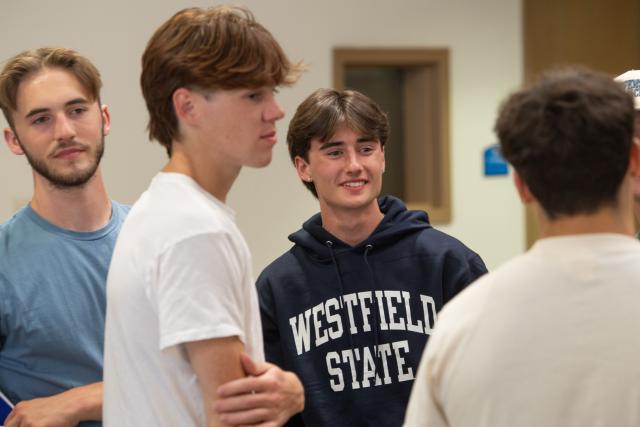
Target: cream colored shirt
column 549, row 339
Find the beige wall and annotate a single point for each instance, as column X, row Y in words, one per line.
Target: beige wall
column 484, row 39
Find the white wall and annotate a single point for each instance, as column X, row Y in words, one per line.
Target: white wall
column 484, row 39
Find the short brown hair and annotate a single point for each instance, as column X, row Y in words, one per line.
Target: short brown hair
column 569, row 138
column 25, row 63
column 320, row 115
column 215, row 48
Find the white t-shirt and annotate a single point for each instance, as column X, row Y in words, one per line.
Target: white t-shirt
column 180, row 272
column 549, row 339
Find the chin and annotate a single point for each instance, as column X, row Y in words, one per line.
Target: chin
column 359, row 203
column 260, row 163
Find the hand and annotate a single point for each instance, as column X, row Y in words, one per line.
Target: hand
column 267, row 397
column 66, row 409
column 42, row 412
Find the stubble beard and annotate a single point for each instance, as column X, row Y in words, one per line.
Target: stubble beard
column 65, row 181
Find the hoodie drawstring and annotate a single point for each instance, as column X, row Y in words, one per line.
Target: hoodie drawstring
column 345, row 315
column 368, row 248
column 376, row 316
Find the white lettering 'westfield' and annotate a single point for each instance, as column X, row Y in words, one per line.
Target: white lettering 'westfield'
column 325, row 321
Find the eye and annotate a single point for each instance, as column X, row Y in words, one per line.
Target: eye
column 367, row 149
column 255, row 95
column 78, row 111
column 40, row 120
column 334, row 153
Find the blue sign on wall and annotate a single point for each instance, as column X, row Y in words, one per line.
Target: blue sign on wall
column 494, row 163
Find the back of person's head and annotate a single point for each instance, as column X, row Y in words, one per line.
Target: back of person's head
column 569, row 139
column 324, row 111
column 30, row 62
column 216, row 48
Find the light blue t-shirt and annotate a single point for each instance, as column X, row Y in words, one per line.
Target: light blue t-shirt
column 52, row 304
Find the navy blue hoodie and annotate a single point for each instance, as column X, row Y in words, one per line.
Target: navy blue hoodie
column 352, row 322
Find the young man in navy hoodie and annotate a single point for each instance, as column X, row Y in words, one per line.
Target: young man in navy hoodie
column 350, row 306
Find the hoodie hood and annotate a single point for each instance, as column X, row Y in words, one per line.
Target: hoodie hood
column 397, row 222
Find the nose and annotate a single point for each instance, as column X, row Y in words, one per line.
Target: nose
column 64, row 129
column 354, row 166
column 273, row 112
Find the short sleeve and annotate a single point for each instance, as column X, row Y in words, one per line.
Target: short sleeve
column 199, row 290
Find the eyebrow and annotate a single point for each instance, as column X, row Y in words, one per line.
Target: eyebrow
column 74, row 101
column 331, row 144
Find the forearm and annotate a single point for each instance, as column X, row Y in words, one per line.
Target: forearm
column 215, row 362
column 268, row 395
column 86, row 401
column 65, row 409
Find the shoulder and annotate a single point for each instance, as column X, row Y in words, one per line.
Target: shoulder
column 468, row 305
column 434, row 242
column 282, row 268
column 19, row 233
column 119, row 209
column 435, row 239
column 15, row 220
column 172, row 214
column 473, row 301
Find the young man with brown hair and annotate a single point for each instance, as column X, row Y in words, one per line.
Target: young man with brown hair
column 55, row 252
column 182, row 306
column 550, row 338
column 350, row 306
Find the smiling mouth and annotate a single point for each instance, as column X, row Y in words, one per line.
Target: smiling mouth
column 354, row 184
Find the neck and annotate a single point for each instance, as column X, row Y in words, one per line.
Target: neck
column 84, row 208
column 601, row 222
column 605, row 220
column 214, row 177
column 616, row 218
column 352, row 226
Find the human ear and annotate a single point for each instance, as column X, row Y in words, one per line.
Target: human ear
column 11, row 139
column 303, row 168
column 106, row 120
column 183, row 105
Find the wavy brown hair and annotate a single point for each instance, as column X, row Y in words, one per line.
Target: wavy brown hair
column 320, row 115
column 25, row 63
column 569, row 138
column 215, row 48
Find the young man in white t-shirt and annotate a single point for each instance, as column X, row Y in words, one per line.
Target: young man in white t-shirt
column 550, row 338
column 182, row 305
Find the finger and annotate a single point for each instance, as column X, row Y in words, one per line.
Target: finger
column 10, row 418
column 248, row 364
column 242, row 402
column 252, row 416
column 252, row 367
column 241, row 386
